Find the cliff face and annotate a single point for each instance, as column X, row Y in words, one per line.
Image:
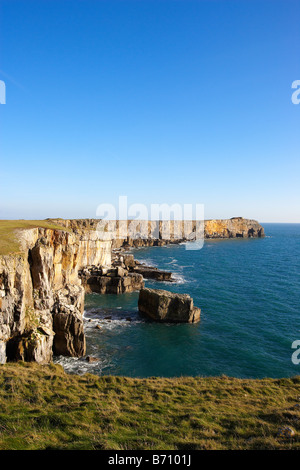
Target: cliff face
column 41, row 289
column 233, row 228
column 152, row 233
column 41, row 296
column 16, row 298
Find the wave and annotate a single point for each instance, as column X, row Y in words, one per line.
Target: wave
column 147, row 262
column 174, row 260
column 80, row 366
column 179, row 279
column 110, row 319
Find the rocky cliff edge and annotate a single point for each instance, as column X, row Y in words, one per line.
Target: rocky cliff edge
column 41, row 292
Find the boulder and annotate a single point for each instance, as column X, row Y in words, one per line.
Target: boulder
column 129, row 261
column 165, row 306
column 91, row 359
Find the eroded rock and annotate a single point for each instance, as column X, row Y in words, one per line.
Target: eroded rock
column 69, row 339
column 110, row 281
column 165, row 306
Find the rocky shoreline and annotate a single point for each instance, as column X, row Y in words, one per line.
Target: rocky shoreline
column 42, row 287
column 125, row 275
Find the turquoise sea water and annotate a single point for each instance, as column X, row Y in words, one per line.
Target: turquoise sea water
column 248, row 292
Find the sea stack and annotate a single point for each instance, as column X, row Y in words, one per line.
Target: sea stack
column 165, row 306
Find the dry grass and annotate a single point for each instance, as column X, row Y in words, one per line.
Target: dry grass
column 42, row 407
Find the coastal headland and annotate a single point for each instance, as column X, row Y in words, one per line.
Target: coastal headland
column 45, row 269
column 47, row 266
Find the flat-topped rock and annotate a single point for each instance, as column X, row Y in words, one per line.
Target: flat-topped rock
column 165, row 306
column 150, row 272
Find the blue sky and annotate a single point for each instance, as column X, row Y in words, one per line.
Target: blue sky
column 161, row 101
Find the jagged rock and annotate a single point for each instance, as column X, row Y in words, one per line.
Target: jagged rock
column 121, row 271
column 165, row 306
column 25, row 333
column 16, row 295
column 129, row 261
column 69, row 339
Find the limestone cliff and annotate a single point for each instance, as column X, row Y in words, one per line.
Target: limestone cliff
column 233, row 228
column 42, row 286
column 135, row 233
column 41, row 296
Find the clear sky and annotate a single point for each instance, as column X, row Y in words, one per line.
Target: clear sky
column 162, row 101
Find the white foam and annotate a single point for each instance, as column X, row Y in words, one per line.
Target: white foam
column 179, row 279
column 80, row 366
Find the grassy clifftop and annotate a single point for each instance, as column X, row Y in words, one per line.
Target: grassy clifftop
column 9, row 242
column 42, row 407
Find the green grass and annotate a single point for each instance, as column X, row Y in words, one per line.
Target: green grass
column 42, row 407
column 8, row 233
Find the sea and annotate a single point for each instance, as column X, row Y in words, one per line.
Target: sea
column 248, row 291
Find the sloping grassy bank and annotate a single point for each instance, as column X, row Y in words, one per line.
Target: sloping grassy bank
column 42, row 407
